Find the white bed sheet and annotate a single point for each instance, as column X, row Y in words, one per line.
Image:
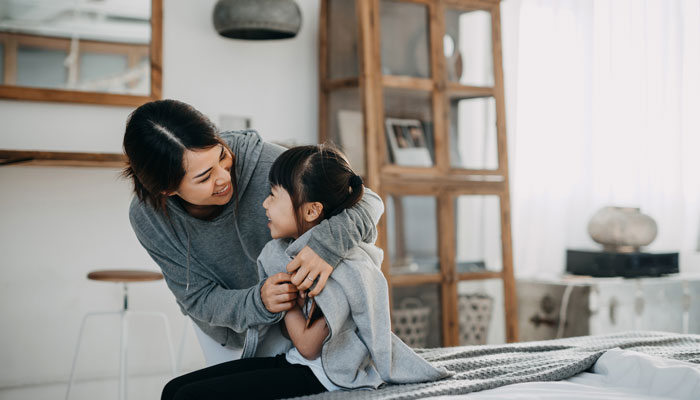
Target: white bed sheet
column 617, row 375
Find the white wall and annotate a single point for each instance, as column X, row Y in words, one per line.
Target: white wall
column 59, row 223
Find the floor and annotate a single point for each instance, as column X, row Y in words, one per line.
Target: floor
column 139, row 388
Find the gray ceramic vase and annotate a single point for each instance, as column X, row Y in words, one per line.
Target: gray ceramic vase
column 622, row 229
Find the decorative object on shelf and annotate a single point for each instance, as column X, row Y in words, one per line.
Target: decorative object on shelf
column 475, row 311
column 419, row 43
column 622, row 229
column 257, row 19
column 453, row 59
column 408, row 142
column 470, row 266
column 628, row 265
column 352, row 139
column 410, row 321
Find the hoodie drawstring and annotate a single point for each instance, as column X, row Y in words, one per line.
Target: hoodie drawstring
column 187, row 287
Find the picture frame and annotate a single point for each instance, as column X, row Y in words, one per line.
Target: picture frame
column 408, row 142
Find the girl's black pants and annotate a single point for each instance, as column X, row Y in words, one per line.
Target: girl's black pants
column 250, row 378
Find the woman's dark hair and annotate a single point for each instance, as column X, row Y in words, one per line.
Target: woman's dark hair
column 156, row 137
column 316, row 173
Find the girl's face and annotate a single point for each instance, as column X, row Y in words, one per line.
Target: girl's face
column 280, row 213
column 207, row 178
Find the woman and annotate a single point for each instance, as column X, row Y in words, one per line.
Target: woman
column 342, row 339
column 197, row 213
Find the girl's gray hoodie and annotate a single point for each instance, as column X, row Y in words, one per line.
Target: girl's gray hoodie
column 360, row 351
column 210, row 266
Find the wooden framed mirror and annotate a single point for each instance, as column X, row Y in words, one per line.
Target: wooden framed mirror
column 81, row 51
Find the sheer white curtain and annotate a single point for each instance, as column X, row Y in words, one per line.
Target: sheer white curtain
column 603, row 102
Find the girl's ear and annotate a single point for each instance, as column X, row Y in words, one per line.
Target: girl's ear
column 312, row 211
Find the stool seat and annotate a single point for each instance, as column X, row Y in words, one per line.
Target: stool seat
column 124, row 275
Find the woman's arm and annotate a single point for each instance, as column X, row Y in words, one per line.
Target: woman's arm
column 308, row 340
column 332, row 239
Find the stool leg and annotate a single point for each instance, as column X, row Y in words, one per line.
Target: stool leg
column 77, row 346
column 122, row 356
column 168, row 336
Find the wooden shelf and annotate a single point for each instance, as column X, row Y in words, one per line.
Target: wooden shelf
column 408, row 83
column 432, row 225
column 452, row 173
column 61, row 159
column 457, row 91
column 426, row 279
column 344, row 83
column 433, row 185
column 415, row 279
column 471, row 276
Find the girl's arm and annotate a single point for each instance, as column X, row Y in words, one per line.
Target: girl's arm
column 308, row 340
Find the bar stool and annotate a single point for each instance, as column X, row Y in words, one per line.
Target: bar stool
column 124, row 277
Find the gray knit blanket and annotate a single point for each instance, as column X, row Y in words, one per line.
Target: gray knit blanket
column 486, row 367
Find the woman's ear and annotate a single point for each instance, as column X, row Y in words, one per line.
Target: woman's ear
column 312, row 211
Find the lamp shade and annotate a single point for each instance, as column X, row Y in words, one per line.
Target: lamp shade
column 257, row 19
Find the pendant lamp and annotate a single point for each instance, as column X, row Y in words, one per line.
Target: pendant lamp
column 257, row 19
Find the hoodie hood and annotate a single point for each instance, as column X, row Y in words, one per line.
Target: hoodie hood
column 247, row 153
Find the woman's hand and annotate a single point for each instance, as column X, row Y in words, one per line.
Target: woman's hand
column 306, row 268
column 277, row 293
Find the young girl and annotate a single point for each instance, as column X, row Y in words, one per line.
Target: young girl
column 340, row 339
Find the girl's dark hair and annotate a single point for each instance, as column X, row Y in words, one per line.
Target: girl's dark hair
column 156, row 137
column 316, row 173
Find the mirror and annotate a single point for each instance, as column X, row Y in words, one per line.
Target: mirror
column 83, row 51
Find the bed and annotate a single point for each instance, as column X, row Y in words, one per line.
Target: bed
column 629, row 365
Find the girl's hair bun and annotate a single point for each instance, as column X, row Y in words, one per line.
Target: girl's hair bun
column 355, row 181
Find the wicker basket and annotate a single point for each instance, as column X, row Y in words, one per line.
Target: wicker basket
column 411, row 320
column 474, row 318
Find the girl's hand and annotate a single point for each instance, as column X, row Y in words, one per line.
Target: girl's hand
column 277, row 293
column 306, row 267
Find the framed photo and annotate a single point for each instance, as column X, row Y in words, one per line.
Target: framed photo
column 408, row 143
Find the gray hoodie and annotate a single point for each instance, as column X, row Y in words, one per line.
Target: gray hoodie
column 210, row 266
column 360, row 350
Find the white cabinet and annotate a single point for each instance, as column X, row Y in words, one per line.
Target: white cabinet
column 575, row 306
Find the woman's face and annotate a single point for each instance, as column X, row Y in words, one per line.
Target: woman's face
column 207, row 178
column 280, row 213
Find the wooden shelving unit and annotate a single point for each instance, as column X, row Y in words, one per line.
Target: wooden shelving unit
column 61, row 159
column 430, row 73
